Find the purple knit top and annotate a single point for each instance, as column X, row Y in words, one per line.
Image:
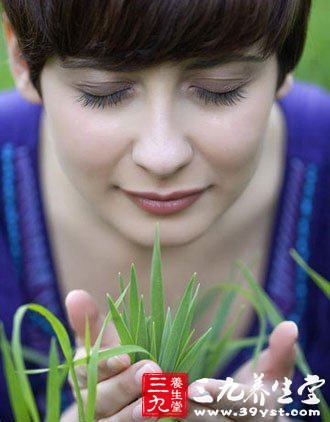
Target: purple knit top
column 28, row 272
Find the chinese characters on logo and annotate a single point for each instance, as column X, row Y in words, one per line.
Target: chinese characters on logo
column 165, row 394
column 234, row 391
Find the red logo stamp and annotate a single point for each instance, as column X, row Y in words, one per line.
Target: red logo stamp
column 165, row 394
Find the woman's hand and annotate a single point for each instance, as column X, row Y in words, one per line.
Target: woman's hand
column 119, row 382
column 276, row 362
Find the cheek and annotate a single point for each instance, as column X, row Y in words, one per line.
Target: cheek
column 234, row 136
column 86, row 140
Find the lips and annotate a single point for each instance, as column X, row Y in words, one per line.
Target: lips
column 160, row 197
column 165, row 204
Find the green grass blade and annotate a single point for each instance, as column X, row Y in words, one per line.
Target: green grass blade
column 87, row 339
column 102, row 354
column 185, row 348
column 54, row 384
column 157, row 311
column 221, row 315
column 64, row 341
column 153, row 338
column 16, row 397
column 92, row 360
column 133, row 303
column 259, row 309
column 124, row 307
column 171, row 350
column 192, row 356
column 188, row 321
column 204, row 302
column 142, row 330
column 242, row 343
column 92, row 371
column 34, row 356
column 116, row 351
column 166, row 333
column 320, row 281
column 275, row 317
column 92, row 367
column 123, row 332
column 216, row 354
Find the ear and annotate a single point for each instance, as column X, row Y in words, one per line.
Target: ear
column 19, row 67
column 286, row 86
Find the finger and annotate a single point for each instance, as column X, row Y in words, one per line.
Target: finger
column 106, row 368
column 115, row 393
column 279, row 359
column 133, row 412
column 79, row 305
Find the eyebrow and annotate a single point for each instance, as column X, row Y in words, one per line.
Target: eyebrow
column 197, row 64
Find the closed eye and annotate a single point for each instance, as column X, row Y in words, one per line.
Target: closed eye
column 229, row 98
column 102, row 101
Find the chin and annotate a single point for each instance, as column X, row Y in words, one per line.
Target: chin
column 173, row 233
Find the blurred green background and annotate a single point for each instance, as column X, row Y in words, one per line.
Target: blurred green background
column 314, row 67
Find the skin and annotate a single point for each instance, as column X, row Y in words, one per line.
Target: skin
column 162, row 138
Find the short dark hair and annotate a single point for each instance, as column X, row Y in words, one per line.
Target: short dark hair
column 139, row 33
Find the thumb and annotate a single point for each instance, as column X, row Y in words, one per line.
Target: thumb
column 278, row 360
column 79, row 305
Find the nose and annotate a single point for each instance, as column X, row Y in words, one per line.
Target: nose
column 161, row 148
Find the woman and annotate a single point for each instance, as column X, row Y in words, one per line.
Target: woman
column 137, row 105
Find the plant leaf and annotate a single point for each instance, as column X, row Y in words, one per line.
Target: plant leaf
column 189, row 318
column 153, row 338
column 171, row 350
column 257, row 307
column 92, row 363
column 123, row 332
column 133, row 303
column 275, row 317
column 185, row 348
column 34, row 356
column 320, row 281
column 16, row 397
column 189, row 360
column 157, row 311
column 217, row 352
column 124, row 306
column 87, row 339
column 54, row 383
column 64, row 342
column 102, row 355
column 142, row 330
column 166, row 332
column 222, row 314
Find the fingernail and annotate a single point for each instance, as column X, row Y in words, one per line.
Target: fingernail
column 146, row 368
column 198, row 394
column 203, row 380
column 116, row 364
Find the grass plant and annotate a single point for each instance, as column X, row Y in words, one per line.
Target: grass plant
column 163, row 337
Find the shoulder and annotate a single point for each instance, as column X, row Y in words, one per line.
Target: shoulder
column 307, row 113
column 19, row 119
column 308, row 99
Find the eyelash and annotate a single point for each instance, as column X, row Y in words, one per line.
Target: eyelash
column 229, row 98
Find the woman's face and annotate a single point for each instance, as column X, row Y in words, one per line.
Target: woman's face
column 168, row 128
